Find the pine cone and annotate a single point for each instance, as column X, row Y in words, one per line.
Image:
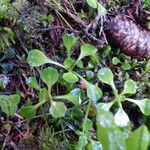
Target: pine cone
column 126, row 34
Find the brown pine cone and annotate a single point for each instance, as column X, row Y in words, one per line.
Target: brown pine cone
column 126, row 34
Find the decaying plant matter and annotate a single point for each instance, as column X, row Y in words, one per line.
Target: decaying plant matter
column 121, row 30
column 133, row 39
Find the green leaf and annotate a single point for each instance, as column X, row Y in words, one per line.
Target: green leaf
column 37, row 58
column 126, row 66
column 130, row 87
column 70, row 77
column 89, row 74
column 69, row 41
column 105, row 106
column 121, row 118
column 139, row 139
column 43, row 95
column 148, row 25
column 116, row 61
column 73, row 96
column 82, row 142
column 92, row 3
column 58, row 109
column 147, row 66
column 105, row 75
column 94, row 92
column 87, row 50
column 9, row 103
column 101, row 10
column 32, row 82
column 80, row 64
column 143, row 104
column 69, row 62
column 106, row 51
column 94, row 145
column 87, row 125
column 28, row 112
column 108, row 133
column 50, row 76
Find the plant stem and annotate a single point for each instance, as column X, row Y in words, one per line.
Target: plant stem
column 115, row 91
column 130, row 100
column 57, row 64
column 49, row 94
column 119, row 101
column 75, row 63
column 86, row 116
column 80, row 77
column 39, row 104
column 35, row 117
column 59, row 97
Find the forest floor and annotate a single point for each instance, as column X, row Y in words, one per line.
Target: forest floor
column 74, row 75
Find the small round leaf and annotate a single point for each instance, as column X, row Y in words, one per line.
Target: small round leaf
column 92, row 3
column 130, row 87
column 89, row 74
column 101, row 10
column 50, row 76
column 70, row 77
column 87, row 50
column 115, row 61
column 37, row 58
column 126, row 66
column 94, row 92
column 121, row 118
column 87, row 125
column 143, row 104
column 105, row 75
column 32, row 82
column 28, row 112
column 69, row 62
column 58, row 109
column 69, row 41
column 73, row 96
